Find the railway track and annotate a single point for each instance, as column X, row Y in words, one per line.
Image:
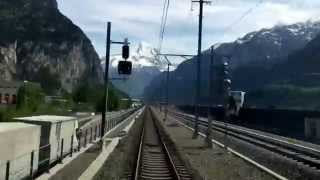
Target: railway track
column 154, row 158
column 306, row 155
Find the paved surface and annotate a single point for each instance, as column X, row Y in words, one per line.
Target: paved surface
column 54, row 170
column 94, row 167
column 73, row 170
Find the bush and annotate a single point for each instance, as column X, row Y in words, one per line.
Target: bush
column 94, row 95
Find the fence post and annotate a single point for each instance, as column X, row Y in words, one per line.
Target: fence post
column 8, row 170
column 49, row 150
column 107, row 127
column 31, row 165
column 95, row 133
column 85, row 138
column 79, row 145
column 71, row 148
column 98, row 131
column 90, row 134
column 61, row 152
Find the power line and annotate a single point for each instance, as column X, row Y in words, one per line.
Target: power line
column 164, row 18
column 163, row 23
column 243, row 16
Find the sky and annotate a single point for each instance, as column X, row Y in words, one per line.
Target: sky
column 224, row 20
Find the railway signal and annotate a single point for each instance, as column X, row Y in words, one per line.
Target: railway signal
column 226, row 88
column 125, row 67
column 125, row 49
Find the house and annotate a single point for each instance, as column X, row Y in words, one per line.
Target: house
column 9, row 91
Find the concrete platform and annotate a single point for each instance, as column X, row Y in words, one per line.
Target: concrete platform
column 86, row 163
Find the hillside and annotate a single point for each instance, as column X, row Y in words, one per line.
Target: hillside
column 38, row 43
column 289, row 79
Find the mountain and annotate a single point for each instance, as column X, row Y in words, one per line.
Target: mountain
column 145, row 68
column 258, row 60
column 269, row 46
column 38, row 43
column 294, row 83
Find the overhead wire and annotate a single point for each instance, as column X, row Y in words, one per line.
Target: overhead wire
column 164, row 18
column 242, row 17
column 164, row 23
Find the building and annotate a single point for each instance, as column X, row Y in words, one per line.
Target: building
column 17, row 141
column 9, row 91
column 56, row 132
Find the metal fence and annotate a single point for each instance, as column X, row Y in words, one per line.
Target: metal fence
column 32, row 164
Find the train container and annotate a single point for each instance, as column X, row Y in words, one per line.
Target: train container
column 18, row 142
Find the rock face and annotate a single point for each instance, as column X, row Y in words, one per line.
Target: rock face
column 35, row 36
column 8, row 61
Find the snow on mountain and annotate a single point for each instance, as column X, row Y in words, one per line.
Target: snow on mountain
column 144, row 55
column 145, row 67
column 269, row 45
column 304, row 30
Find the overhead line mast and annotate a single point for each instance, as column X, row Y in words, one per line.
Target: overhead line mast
column 198, row 77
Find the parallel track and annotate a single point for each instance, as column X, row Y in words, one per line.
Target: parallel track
column 154, row 159
column 308, row 156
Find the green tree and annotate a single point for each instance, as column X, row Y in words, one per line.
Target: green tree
column 49, row 81
column 30, row 97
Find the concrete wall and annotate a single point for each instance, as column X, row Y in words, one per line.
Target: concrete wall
column 58, row 132
column 290, row 123
column 52, row 133
column 312, row 128
column 16, row 146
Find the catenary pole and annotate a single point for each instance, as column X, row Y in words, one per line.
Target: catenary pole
column 167, row 92
column 198, row 78
column 210, row 117
column 106, row 79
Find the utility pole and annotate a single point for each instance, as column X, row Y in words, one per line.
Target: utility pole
column 210, row 117
column 167, row 90
column 198, row 73
column 186, row 56
column 106, row 79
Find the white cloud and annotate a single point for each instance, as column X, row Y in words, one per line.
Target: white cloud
column 140, row 19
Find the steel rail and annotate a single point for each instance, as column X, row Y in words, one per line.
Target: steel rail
column 247, row 159
column 269, row 143
column 169, row 160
